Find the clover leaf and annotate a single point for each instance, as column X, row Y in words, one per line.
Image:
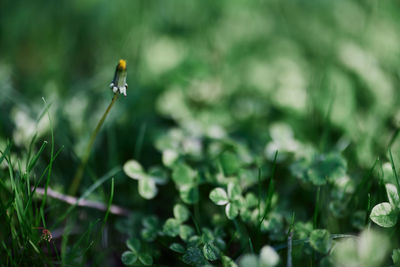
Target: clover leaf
column 151, row 228
column 134, row 253
column 147, row 181
column 181, row 213
column 232, row 199
column 320, row 169
column 321, row 241
column 174, row 226
column 171, row 227
column 386, row 214
column 185, row 179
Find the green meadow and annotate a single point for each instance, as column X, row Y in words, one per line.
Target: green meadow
column 252, row 134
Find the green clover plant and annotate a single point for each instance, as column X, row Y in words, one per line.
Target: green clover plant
column 175, row 226
column 147, row 180
column 186, row 180
column 201, row 249
column 151, row 228
column 135, row 252
column 320, row 169
column 232, row 198
column 386, row 214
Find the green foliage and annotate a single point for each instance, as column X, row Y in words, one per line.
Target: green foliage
column 129, row 258
column 147, row 182
column 253, row 129
column 233, row 199
column 210, row 251
column 320, row 169
column 181, row 213
column 171, row 227
column 193, row 256
column 396, row 257
column 177, row 248
column 321, row 241
column 386, row 214
column 151, row 227
column 136, row 252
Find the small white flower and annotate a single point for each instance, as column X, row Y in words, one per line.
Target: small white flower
column 119, row 84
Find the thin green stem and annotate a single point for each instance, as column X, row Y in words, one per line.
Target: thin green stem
column 79, row 173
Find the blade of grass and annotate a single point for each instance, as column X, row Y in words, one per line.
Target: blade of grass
column 365, row 179
column 393, row 138
column 6, row 151
column 108, row 205
column 394, row 170
column 51, row 161
column 251, row 246
column 34, row 160
column 270, row 192
column 33, row 140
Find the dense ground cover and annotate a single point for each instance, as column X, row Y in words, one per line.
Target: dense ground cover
column 258, row 133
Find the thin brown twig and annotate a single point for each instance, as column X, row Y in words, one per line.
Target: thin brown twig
column 114, row 209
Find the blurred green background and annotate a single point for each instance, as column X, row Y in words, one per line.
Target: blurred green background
column 227, row 63
column 328, row 69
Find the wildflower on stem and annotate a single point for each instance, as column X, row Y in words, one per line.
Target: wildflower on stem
column 118, row 84
column 119, row 81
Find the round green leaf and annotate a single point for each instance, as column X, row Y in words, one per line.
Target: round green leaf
column 151, row 222
column 320, row 240
column 181, row 213
column 182, row 174
column 189, row 194
column 146, row 259
column 148, row 235
column 393, row 195
column 177, row 247
column 171, row 227
column 384, row 215
column 133, row 244
column 169, row 157
column 207, row 235
column 194, row 241
column 327, row 167
column 268, row 257
column 211, row 252
column 128, row 258
column 234, row 191
column 158, row 174
column 134, row 170
column 231, row 211
column 228, row 262
column 219, row 196
column 193, row 256
column 230, row 163
column 396, row 257
column 185, row 232
column 147, row 188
